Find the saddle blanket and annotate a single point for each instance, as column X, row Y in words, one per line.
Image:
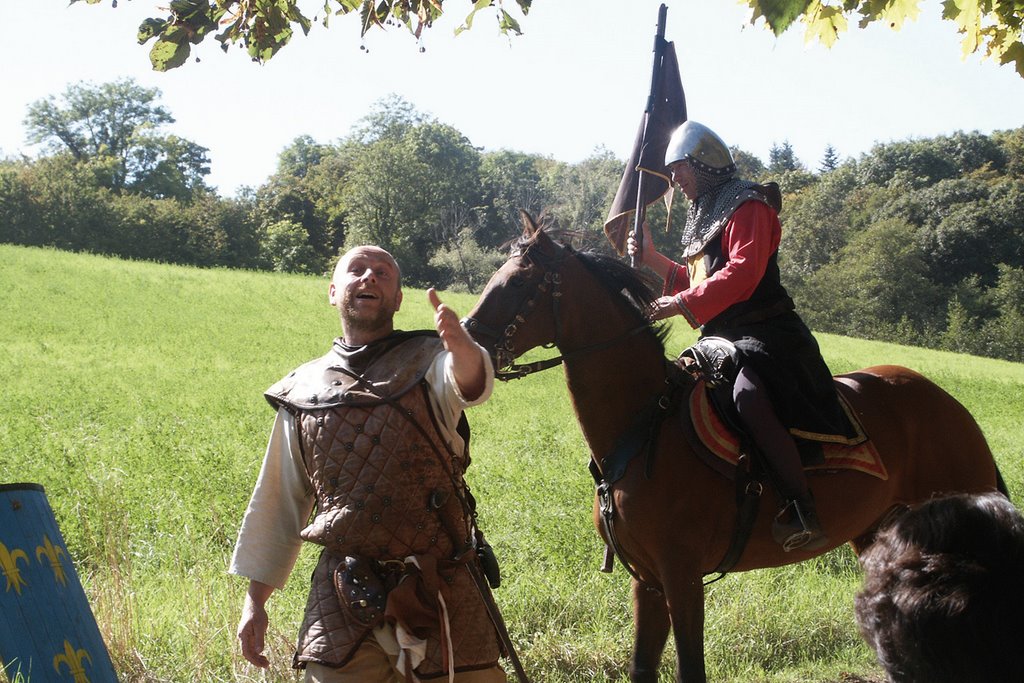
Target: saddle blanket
column 723, row 443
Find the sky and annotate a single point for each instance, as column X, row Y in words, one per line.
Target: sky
column 575, row 82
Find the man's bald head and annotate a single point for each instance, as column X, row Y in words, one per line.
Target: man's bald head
column 367, row 291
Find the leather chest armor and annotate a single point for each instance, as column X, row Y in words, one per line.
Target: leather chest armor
column 387, row 486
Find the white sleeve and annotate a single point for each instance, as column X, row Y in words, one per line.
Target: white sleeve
column 441, row 378
column 269, row 542
column 448, row 402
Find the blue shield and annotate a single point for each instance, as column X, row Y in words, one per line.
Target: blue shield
column 47, row 631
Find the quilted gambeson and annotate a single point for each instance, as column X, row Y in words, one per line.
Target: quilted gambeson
column 387, row 487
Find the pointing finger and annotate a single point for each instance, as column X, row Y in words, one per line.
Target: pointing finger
column 435, row 300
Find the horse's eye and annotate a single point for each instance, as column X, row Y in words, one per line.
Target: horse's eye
column 517, row 281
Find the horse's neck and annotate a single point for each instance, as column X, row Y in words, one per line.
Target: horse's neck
column 609, row 388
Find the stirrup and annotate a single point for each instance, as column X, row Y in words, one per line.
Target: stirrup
column 797, row 540
column 792, row 529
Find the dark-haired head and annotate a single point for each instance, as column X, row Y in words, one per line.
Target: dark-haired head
column 943, row 598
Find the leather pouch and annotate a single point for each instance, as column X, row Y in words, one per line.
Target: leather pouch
column 361, row 589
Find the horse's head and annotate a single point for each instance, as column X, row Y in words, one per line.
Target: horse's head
column 547, row 294
column 516, row 311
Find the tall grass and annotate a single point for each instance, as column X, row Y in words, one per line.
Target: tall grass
column 133, row 393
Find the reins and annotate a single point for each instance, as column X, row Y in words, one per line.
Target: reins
column 640, row 438
column 504, row 349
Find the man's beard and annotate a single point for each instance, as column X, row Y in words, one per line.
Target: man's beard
column 354, row 319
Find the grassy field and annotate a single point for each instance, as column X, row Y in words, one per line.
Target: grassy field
column 133, row 393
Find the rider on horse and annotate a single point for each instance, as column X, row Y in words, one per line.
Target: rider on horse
column 729, row 286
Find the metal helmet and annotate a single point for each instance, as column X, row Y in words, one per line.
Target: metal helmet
column 697, row 142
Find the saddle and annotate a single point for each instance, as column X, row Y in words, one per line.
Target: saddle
column 723, row 448
column 720, row 446
column 718, row 439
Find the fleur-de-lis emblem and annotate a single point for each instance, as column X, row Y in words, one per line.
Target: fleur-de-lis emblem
column 9, row 566
column 72, row 658
column 52, row 554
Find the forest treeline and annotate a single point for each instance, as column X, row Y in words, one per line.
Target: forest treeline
column 918, row 242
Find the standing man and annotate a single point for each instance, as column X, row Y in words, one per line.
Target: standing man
column 366, row 459
column 730, row 287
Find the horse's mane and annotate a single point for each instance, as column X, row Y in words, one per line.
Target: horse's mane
column 636, row 287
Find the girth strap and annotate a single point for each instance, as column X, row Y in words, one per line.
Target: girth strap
column 749, row 487
column 641, row 436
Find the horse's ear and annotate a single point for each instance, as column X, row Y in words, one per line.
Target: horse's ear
column 529, row 225
column 532, row 231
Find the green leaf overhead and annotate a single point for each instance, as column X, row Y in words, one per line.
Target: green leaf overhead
column 991, row 28
column 780, row 14
column 264, row 27
column 824, row 24
column 151, row 28
column 167, row 54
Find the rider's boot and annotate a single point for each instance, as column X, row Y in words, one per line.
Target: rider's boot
column 796, row 526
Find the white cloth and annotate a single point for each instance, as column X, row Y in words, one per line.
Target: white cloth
column 268, row 542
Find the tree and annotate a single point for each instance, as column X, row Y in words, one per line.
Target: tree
column 925, row 162
column 304, row 191
column 70, row 210
column 966, row 226
column 993, row 28
column 1011, row 142
column 915, row 163
column 748, row 166
column 18, row 213
column 580, row 194
column 167, row 167
column 116, row 127
column 401, row 186
column 467, row 264
column 830, row 160
column 961, row 330
column 302, row 155
column 286, row 249
column 391, row 117
column 511, row 182
column 785, row 169
column 876, row 287
column 816, row 224
column 782, row 158
column 1006, row 332
column 223, row 232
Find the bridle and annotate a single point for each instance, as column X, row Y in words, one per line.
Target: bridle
column 504, row 351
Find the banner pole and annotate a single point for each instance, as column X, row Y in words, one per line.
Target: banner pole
column 641, row 209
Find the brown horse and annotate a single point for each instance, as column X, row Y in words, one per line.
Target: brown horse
column 674, row 516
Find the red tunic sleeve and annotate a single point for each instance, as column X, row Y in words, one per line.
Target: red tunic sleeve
column 749, row 239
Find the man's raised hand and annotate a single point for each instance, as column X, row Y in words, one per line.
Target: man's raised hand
column 467, row 361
